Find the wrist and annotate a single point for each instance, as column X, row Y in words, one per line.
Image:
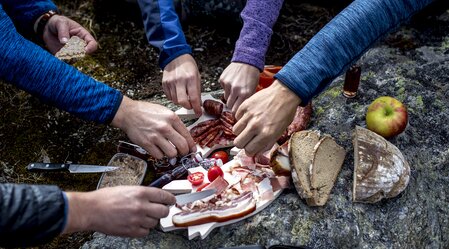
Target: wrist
column 284, row 93
column 121, row 114
column 78, row 218
column 42, row 21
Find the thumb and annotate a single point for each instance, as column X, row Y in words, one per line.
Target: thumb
column 62, row 28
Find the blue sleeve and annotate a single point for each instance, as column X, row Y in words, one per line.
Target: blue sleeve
column 24, row 13
column 54, row 82
column 30, row 214
column 163, row 29
column 342, row 41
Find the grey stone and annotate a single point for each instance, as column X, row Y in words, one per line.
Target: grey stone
column 417, row 218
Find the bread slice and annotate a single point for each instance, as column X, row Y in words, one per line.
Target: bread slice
column 327, row 162
column 300, row 147
column 380, row 169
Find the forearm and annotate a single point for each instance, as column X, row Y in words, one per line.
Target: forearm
column 259, row 18
column 163, row 29
column 34, row 70
column 24, row 13
column 30, row 215
column 342, row 41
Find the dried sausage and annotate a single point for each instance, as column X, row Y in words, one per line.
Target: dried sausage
column 213, row 108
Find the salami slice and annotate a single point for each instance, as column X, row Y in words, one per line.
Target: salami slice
column 229, row 117
column 215, row 139
column 202, row 127
column 210, row 137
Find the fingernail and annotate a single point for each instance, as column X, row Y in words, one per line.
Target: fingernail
column 64, row 40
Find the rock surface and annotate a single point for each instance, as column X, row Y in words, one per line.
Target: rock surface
column 411, row 65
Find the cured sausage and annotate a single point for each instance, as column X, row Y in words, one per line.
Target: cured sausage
column 299, row 123
column 213, row 108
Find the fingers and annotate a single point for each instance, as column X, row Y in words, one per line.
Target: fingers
column 244, row 138
column 194, row 94
column 156, row 195
column 182, row 97
column 237, row 104
column 257, row 145
column 185, row 134
column 91, row 43
column 167, row 147
column 154, row 151
column 231, row 99
column 62, row 27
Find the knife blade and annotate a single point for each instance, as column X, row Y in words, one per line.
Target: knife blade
column 187, row 198
column 72, row 168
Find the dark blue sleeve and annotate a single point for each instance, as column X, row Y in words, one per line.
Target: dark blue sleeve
column 36, row 71
column 342, row 41
column 30, row 215
column 24, row 13
column 163, row 29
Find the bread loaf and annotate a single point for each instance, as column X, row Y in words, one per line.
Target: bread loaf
column 326, row 164
column 380, row 169
column 300, row 147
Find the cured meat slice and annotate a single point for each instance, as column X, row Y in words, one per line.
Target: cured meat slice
column 210, row 136
column 213, row 108
column 215, row 139
column 200, row 128
column 229, row 117
column 217, row 211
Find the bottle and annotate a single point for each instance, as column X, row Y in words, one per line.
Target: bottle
column 352, row 80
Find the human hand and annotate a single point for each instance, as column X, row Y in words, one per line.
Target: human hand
column 239, row 81
column 60, row 28
column 120, row 211
column 264, row 117
column 154, row 127
column 181, row 83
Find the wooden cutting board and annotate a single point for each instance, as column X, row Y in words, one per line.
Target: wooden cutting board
column 204, row 229
column 186, row 115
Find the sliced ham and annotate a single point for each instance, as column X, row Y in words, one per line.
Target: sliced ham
column 220, row 184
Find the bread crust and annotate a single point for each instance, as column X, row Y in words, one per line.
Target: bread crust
column 380, row 169
column 300, row 149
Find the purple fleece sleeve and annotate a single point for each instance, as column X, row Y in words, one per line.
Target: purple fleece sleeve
column 258, row 17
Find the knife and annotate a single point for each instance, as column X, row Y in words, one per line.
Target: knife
column 187, row 198
column 72, row 168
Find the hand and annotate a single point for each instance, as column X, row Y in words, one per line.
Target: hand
column 60, row 28
column 239, row 82
column 154, row 127
column 120, row 211
column 264, row 117
column 181, row 83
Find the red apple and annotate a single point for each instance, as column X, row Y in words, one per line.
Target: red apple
column 386, row 116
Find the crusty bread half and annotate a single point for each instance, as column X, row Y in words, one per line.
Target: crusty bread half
column 380, row 169
column 301, row 145
column 326, row 164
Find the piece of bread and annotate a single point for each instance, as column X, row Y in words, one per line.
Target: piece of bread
column 380, row 169
column 73, row 49
column 326, row 164
column 300, row 147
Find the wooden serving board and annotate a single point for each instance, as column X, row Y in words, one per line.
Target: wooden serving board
column 185, row 115
column 204, row 229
